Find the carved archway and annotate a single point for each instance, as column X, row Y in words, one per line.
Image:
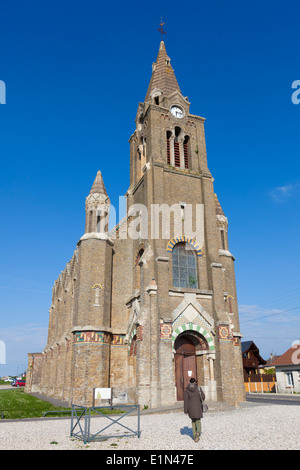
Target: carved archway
column 194, row 328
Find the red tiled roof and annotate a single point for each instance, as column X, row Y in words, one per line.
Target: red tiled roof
column 290, row 357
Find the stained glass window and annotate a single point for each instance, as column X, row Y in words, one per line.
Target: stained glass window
column 184, row 266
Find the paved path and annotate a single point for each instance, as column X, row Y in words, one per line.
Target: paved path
column 248, row 427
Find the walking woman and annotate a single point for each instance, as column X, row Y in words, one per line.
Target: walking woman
column 193, row 397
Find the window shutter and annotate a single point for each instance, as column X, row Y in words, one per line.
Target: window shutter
column 176, row 154
column 186, row 155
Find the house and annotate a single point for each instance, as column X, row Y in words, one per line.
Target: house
column 268, row 367
column 251, row 359
column 287, row 368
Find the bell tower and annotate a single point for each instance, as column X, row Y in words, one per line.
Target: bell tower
column 168, row 168
column 165, row 129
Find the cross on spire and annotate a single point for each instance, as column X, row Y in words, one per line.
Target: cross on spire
column 162, row 32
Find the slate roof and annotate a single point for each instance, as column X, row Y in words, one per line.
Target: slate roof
column 246, row 345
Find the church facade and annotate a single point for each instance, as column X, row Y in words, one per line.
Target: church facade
column 145, row 306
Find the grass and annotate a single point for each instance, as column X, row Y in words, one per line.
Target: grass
column 15, row 404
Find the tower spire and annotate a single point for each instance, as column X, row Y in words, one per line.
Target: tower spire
column 163, row 77
column 98, row 185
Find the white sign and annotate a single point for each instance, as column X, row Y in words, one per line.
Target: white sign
column 190, row 373
column 103, row 393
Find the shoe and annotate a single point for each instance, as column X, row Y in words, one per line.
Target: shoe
column 197, row 437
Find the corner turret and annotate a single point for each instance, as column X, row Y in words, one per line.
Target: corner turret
column 97, row 207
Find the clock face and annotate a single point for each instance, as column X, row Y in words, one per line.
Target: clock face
column 177, row 112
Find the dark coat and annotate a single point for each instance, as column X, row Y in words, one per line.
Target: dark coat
column 192, row 401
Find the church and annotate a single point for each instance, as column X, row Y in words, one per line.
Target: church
column 143, row 307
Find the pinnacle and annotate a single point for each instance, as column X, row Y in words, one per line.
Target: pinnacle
column 162, row 46
column 219, row 210
column 98, row 185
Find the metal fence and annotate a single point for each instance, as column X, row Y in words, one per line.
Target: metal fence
column 81, row 422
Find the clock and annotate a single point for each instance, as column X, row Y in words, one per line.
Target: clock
column 177, row 112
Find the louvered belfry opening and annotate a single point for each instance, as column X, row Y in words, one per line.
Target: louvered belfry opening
column 176, row 147
column 169, row 134
column 176, row 153
column 186, row 151
column 173, row 144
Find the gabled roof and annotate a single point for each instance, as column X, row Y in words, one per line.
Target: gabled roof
column 289, row 358
column 271, row 360
column 247, row 345
column 163, row 76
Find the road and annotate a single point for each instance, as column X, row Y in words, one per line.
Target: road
column 6, row 387
column 273, row 399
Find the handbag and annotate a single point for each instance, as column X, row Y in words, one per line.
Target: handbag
column 203, row 405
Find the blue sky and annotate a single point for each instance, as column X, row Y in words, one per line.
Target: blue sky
column 75, row 73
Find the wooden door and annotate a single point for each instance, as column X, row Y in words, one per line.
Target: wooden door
column 178, row 376
column 188, row 369
column 185, row 364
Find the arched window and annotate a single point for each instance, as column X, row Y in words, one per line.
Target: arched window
column 177, row 147
column 132, row 351
column 142, row 157
column 138, row 269
column 186, row 151
column 184, row 266
column 138, row 257
column 169, row 135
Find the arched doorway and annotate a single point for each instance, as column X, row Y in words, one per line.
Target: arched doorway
column 186, row 347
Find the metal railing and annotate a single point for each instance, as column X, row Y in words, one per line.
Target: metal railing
column 81, row 422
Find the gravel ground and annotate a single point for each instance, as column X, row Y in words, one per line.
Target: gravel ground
column 250, row 427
